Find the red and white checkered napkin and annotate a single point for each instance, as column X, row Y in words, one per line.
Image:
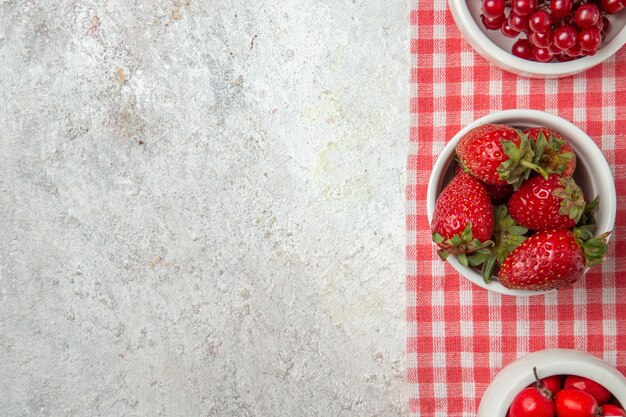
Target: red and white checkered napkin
column 460, row 335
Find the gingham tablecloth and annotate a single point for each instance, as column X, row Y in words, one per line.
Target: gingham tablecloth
column 460, row 335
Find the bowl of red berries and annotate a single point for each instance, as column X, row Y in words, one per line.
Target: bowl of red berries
column 555, row 383
column 521, row 202
column 542, row 38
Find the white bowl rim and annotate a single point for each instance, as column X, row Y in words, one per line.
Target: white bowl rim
column 518, row 374
column 540, row 117
column 488, row 49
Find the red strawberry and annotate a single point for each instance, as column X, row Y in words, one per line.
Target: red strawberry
column 499, row 194
column 552, row 258
column 463, row 218
column 552, row 151
column 547, row 203
column 497, row 154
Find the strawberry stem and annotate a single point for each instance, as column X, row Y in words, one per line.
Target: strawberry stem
column 545, row 391
column 535, row 168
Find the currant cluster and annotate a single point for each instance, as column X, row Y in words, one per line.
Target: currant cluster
column 554, row 29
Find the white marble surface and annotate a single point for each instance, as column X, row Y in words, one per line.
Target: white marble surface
column 201, row 207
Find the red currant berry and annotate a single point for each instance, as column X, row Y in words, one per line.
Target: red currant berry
column 589, row 39
column 561, row 8
column 564, row 57
column 554, row 49
column 540, row 21
column 565, row 37
column 522, row 49
column 524, row 7
column 542, row 40
column 605, row 25
column 517, row 22
column 587, row 15
column 493, row 8
column 493, row 24
column 508, row 31
column 542, row 55
column 575, row 51
column 611, row 6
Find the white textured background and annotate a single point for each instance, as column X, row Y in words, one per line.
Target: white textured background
column 201, row 207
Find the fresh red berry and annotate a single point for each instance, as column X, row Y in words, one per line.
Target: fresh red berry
column 495, row 153
column 463, row 217
column 532, row 402
column 522, row 48
column 508, row 31
column 587, row 15
column 574, row 51
column 499, row 194
column 551, row 259
column 611, row 6
column 601, row 394
column 542, row 55
column 560, row 8
column 552, row 383
column 613, row 410
column 540, row 21
column 565, row 37
column 563, row 57
column 555, row 50
column 493, row 8
column 606, row 23
column 576, row 403
column 547, row 203
column 542, row 39
column 589, row 39
column 493, row 24
column 524, row 7
column 518, row 22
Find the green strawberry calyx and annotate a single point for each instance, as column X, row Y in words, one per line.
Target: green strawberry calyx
column 461, row 245
column 594, row 248
column 517, row 168
column 572, row 199
column 507, row 235
column 588, row 218
column 549, row 155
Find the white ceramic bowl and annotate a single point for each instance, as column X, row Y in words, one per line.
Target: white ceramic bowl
column 592, row 174
column 519, row 374
column 496, row 48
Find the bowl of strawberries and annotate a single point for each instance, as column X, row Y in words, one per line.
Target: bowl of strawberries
column 556, row 383
column 521, row 202
column 542, row 38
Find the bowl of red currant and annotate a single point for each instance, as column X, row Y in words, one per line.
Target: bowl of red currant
column 556, row 383
column 542, row 38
